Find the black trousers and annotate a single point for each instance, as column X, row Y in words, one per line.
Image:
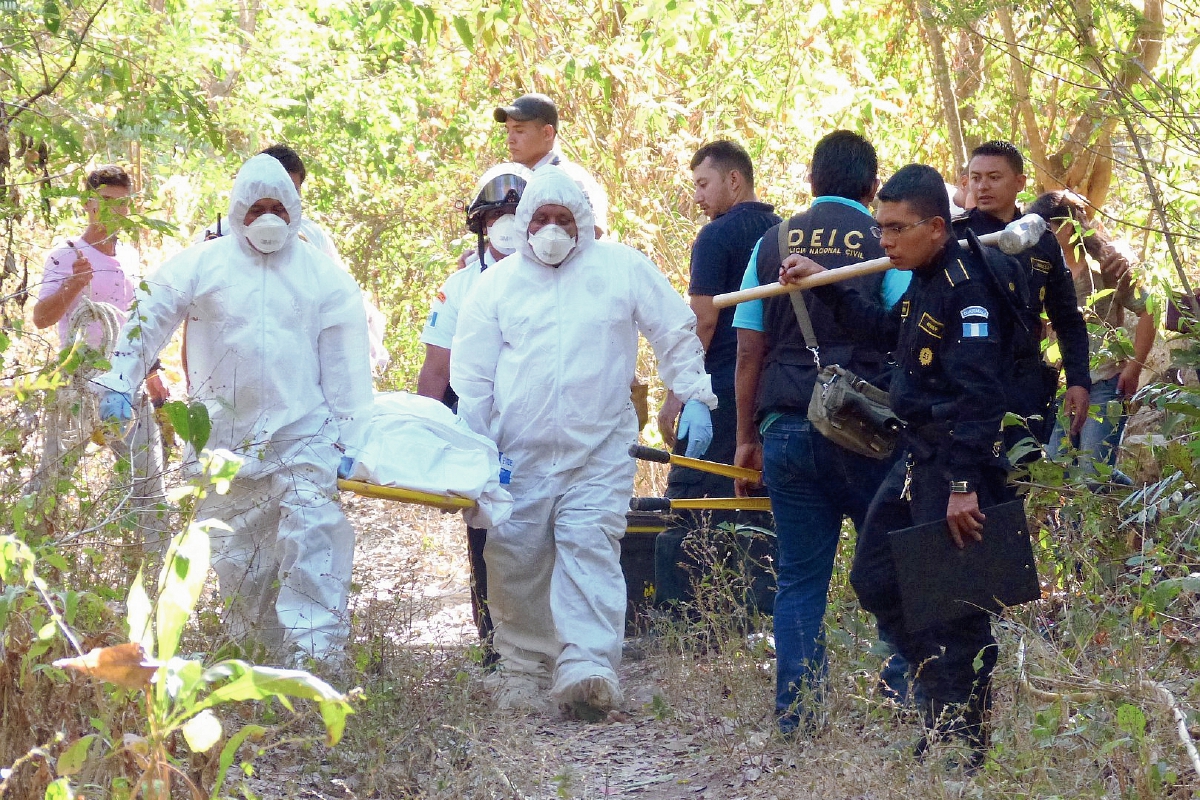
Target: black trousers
column 673, row 566
column 942, row 657
column 476, row 537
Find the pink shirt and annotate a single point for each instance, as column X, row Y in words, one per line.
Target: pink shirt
column 112, row 282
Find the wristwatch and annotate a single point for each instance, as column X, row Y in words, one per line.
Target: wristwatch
column 961, row 487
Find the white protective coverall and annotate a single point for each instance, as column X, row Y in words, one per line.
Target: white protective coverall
column 542, row 361
column 277, row 350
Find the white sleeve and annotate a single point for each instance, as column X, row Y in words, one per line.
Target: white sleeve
column 158, row 308
column 343, row 350
column 670, row 326
column 474, row 355
column 443, row 315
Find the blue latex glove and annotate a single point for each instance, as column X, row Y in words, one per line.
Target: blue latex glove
column 695, row 422
column 345, row 467
column 116, row 407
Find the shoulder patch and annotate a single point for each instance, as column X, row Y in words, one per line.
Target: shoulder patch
column 441, row 296
column 957, row 273
column 1041, row 265
column 974, row 311
column 930, row 325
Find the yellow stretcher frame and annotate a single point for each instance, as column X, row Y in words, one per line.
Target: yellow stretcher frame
column 446, row 502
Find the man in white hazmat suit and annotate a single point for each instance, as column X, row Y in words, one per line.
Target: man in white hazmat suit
column 277, row 351
column 542, row 359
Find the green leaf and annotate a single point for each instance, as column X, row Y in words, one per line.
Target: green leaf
column 52, row 16
column 179, row 590
column 137, row 614
column 75, row 756
column 16, row 561
column 1131, row 720
column 202, row 731
column 59, row 790
column 249, row 682
column 176, row 412
column 200, row 425
column 190, row 421
column 464, row 32
column 182, row 677
column 229, row 752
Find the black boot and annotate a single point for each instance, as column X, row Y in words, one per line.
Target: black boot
column 965, row 721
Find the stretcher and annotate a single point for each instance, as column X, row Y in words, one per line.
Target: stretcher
column 446, row 502
column 667, row 504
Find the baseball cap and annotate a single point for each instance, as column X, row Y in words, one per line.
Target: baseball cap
column 527, row 107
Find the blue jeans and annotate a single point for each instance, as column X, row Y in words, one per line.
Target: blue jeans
column 1100, row 438
column 813, row 483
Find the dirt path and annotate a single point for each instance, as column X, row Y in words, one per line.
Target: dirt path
column 695, row 723
column 646, row 750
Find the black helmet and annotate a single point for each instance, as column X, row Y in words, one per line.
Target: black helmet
column 500, row 187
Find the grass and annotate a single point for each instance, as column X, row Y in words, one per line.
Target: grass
column 698, row 722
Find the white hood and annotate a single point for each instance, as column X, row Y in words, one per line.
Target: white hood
column 552, row 186
column 262, row 176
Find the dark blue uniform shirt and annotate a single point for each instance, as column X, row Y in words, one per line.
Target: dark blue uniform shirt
column 719, row 259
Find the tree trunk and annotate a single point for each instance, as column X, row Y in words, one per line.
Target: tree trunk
column 945, row 85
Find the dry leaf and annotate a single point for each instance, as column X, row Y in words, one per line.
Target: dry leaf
column 125, row 665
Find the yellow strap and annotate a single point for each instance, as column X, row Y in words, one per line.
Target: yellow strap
column 443, row 501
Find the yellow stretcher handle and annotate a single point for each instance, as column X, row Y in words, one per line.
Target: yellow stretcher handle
column 443, row 501
column 660, row 504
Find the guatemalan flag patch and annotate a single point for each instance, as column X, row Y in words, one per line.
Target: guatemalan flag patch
column 974, row 330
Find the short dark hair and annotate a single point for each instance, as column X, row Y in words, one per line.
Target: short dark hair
column 844, row 165
column 1066, row 205
column 1006, row 150
column 109, row 175
column 292, row 163
column 726, row 156
column 922, row 187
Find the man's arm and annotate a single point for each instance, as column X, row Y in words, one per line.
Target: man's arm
column 1062, row 307
column 344, row 353
column 50, row 308
column 706, row 325
column 974, row 358
column 474, row 355
column 669, row 326
column 706, row 317
column 752, row 349
column 157, row 310
column 434, row 376
column 1143, row 341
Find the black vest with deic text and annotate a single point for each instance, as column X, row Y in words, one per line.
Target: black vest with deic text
column 834, row 235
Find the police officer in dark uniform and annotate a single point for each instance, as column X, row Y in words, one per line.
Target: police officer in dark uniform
column 952, row 338
column 996, row 173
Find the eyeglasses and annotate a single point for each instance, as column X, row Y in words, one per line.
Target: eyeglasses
column 895, row 230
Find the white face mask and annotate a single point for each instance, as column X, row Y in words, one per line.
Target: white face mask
column 267, row 233
column 502, row 234
column 552, row 245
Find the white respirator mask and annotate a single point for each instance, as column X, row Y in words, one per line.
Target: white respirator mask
column 552, row 245
column 267, row 233
column 502, row 234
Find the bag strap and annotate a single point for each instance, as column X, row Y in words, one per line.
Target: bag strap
column 797, row 298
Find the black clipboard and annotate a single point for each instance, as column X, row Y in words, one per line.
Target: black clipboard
column 940, row 583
